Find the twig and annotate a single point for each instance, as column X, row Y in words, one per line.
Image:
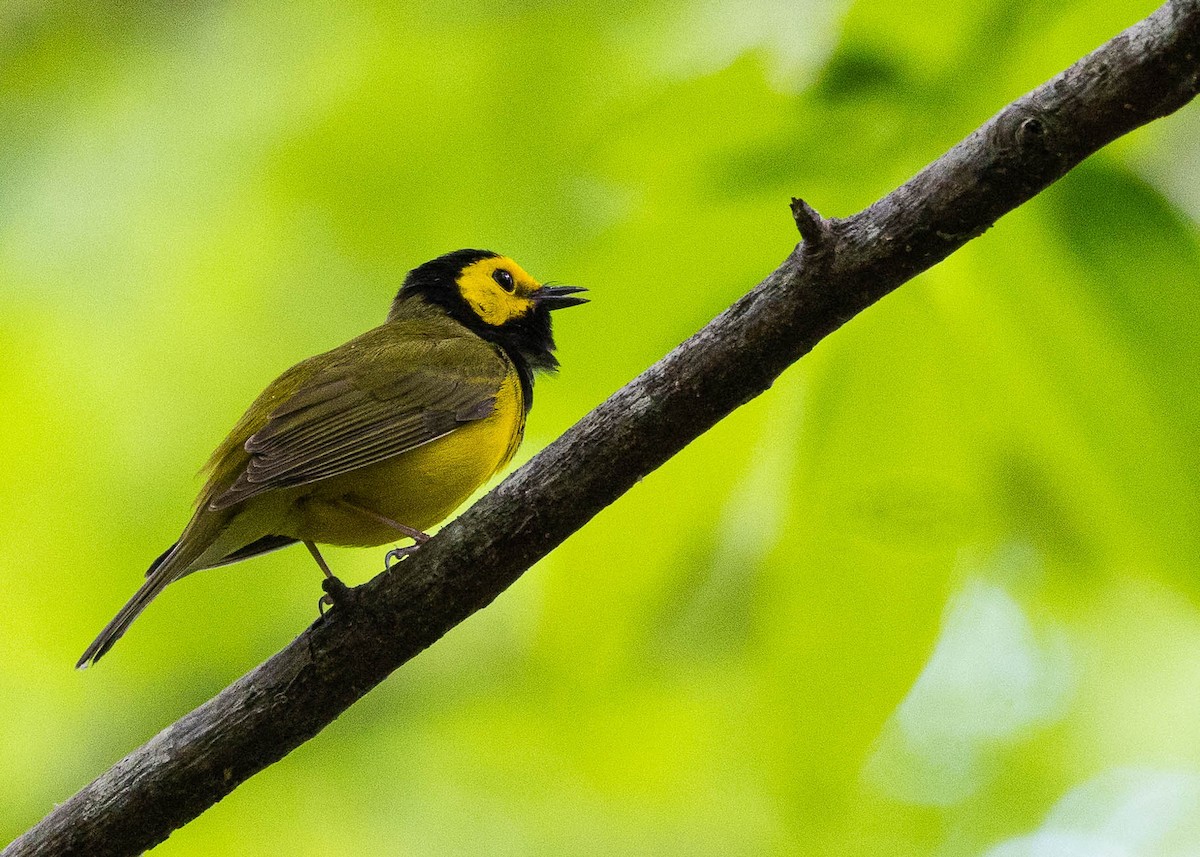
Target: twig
column 813, row 228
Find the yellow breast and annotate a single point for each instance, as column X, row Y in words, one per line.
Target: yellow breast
column 421, row 487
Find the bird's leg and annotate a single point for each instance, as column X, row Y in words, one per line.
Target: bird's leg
column 335, row 590
column 419, row 538
column 416, row 535
column 316, row 554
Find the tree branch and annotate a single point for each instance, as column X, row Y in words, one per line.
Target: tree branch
column 842, row 267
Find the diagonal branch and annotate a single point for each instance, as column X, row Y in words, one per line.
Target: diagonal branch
column 843, row 266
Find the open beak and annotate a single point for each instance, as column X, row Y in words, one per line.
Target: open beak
column 558, row 297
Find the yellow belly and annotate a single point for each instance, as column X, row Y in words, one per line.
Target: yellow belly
column 419, row 488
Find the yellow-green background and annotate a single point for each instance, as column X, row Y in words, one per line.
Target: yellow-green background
column 935, row 593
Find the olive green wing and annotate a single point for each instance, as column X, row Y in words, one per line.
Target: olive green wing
column 383, row 394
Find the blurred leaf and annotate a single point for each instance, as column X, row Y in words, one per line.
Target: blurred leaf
column 935, row 593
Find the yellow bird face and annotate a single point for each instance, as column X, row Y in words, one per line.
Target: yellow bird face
column 498, row 290
column 495, row 298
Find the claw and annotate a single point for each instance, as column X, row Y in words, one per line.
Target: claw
column 336, row 593
column 396, row 554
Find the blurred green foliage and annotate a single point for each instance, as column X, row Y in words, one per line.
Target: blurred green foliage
column 934, row 593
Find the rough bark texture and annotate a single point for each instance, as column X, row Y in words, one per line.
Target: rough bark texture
column 842, row 267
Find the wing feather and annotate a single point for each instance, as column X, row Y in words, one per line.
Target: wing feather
column 378, row 396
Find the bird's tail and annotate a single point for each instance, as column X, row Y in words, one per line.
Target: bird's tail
column 162, row 571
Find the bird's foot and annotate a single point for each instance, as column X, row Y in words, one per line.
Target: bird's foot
column 396, row 554
column 336, row 593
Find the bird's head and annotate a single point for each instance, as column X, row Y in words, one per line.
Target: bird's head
column 494, row 297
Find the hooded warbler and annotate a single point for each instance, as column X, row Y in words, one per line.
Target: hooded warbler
column 380, row 438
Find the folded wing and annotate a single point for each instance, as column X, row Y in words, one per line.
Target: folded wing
column 376, row 397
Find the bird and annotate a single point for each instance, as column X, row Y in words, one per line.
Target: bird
column 379, row 439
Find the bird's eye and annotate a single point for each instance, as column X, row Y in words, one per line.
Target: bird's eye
column 505, row 279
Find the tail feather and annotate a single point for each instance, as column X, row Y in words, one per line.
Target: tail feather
column 162, row 557
column 256, row 548
column 194, row 551
column 161, row 572
column 114, row 629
